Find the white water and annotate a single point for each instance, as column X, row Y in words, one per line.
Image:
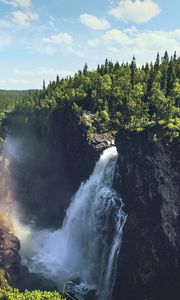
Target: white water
column 87, row 245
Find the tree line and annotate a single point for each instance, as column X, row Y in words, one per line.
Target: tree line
column 113, row 97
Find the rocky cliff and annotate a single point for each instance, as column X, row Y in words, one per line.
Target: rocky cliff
column 48, row 164
column 9, row 258
column 54, row 163
column 9, row 244
column 40, row 172
column 147, row 178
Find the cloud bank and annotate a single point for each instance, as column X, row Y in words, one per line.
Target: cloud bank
column 138, row 11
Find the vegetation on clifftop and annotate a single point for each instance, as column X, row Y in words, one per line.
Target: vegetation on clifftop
column 8, row 99
column 112, row 98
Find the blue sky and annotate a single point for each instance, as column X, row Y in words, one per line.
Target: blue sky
column 42, row 38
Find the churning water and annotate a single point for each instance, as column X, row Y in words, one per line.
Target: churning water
column 86, row 248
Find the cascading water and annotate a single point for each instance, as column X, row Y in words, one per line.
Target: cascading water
column 86, row 248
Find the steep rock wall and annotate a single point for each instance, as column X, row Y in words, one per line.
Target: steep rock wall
column 53, row 157
column 148, row 177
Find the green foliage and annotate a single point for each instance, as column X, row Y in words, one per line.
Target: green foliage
column 111, row 98
column 9, row 99
column 14, row 294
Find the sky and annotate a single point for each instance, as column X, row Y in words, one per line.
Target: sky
column 42, row 38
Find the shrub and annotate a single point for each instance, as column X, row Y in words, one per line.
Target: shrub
column 14, row 294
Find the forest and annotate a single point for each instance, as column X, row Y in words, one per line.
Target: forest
column 114, row 97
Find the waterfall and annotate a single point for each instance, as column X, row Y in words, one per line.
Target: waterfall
column 86, row 248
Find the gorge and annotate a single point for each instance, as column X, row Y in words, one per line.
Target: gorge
column 86, row 248
column 90, row 186
column 144, row 265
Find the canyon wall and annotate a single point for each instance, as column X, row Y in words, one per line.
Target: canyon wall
column 148, row 176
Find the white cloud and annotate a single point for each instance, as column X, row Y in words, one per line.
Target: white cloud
column 115, row 35
column 18, row 3
column 61, row 38
column 157, row 41
column 40, row 71
column 93, row 43
column 130, row 30
column 52, row 23
column 138, row 11
column 24, row 18
column 31, row 77
column 4, row 41
column 93, row 22
column 5, row 24
column 50, row 51
column 122, row 45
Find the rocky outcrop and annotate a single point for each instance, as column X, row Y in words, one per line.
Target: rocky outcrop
column 12, row 272
column 100, row 142
column 147, row 178
column 9, row 244
column 9, row 258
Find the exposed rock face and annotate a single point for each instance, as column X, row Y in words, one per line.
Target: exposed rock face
column 11, row 272
column 9, row 258
column 9, row 244
column 52, row 165
column 42, row 170
column 102, row 141
column 148, row 179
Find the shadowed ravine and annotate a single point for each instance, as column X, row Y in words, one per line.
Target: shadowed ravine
column 86, row 248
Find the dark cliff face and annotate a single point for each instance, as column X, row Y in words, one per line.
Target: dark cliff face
column 147, row 178
column 43, row 172
column 51, row 165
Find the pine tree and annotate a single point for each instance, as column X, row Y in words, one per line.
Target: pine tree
column 106, row 66
column 44, row 85
column 133, row 69
column 171, row 76
column 157, row 63
column 116, row 66
column 57, row 79
column 166, row 57
column 85, row 69
column 98, row 69
column 174, row 56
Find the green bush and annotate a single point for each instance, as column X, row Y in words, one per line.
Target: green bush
column 14, row 294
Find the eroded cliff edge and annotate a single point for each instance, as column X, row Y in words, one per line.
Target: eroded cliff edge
column 148, row 176
column 49, row 158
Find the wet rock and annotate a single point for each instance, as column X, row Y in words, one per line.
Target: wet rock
column 32, row 281
column 102, row 141
column 52, row 167
column 9, row 257
column 147, row 178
